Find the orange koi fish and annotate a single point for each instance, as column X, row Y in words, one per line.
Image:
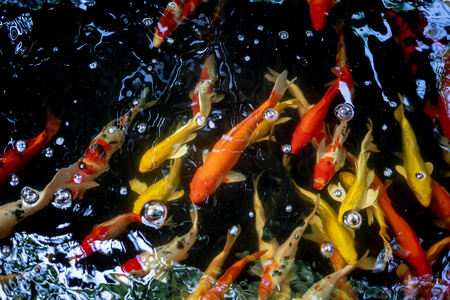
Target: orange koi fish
column 312, row 121
column 95, row 160
column 330, row 159
column 210, row 276
column 14, row 160
column 227, row 151
column 104, row 231
column 319, row 10
column 440, row 204
column 175, row 14
column 223, row 284
column 203, row 95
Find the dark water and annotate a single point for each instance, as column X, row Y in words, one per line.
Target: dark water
column 87, row 62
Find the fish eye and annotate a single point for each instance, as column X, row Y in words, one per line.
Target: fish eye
column 420, row 175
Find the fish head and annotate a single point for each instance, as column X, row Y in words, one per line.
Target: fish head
column 201, row 189
column 323, row 171
column 422, row 188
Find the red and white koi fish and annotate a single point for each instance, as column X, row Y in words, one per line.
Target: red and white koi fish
column 323, row 288
column 174, row 15
column 280, row 265
column 210, row 276
column 332, row 158
column 95, row 160
column 105, row 231
column 202, row 96
column 227, row 151
column 163, row 257
column 14, row 160
column 319, row 10
column 312, row 121
column 223, row 284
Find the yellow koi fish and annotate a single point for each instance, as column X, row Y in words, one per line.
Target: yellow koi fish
column 341, row 237
column 415, row 170
column 173, row 146
column 163, row 190
column 359, row 195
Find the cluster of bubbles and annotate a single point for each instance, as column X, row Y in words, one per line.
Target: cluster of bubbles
column 29, row 196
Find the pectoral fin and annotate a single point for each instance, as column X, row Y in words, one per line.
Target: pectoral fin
column 180, row 152
column 233, row 176
column 401, row 170
column 175, row 195
column 429, row 167
column 138, row 186
column 217, row 98
column 371, row 198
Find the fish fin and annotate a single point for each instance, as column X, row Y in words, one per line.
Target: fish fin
column 432, row 111
column 273, row 73
column 169, row 222
column 217, row 98
column 371, row 198
column 366, row 262
column 180, row 152
column 369, row 177
column 401, row 170
column 81, row 186
column 282, row 120
column 190, row 137
column 150, row 104
column 191, row 94
column 370, row 217
column 402, row 270
column 429, row 167
column 332, row 189
column 175, row 195
column 399, row 112
column 205, row 154
column 281, row 85
column 233, row 176
column 137, row 186
column 320, row 150
column 341, row 161
column 351, row 232
column 266, row 138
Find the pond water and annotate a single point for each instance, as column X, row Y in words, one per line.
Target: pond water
column 88, row 62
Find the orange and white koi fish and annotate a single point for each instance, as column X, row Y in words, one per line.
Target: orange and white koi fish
column 332, row 158
column 105, row 231
column 323, row 288
column 163, row 190
column 174, row 15
column 163, row 257
column 281, row 263
column 223, row 284
column 312, row 121
column 210, row 276
column 319, row 10
column 95, row 160
column 416, row 172
column 202, row 96
column 227, row 151
column 14, row 160
column 172, row 147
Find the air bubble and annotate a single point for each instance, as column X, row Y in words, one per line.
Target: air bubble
column 260, row 27
column 352, row 219
column 14, row 180
column 135, row 102
column 286, row 148
column 170, row 40
column 247, row 58
column 29, row 196
column 172, row 5
column 283, row 35
column 59, row 141
column 147, row 21
column 93, row 65
column 78, row 178
column 344, row 111
column 384, row 127
column 392, row 104
column 289, row 208
column 251, row 214
column 21, row 146
column 154, row 213
column 309, row 33
column 200, row 120
column 270, row 115
column 55, row 49
column 338, row 193
column 48, row 152
column 62, row 198
column 327, row 249
column 112, row 129
column 82, row 166
column 6, row 250
column 367, row 82
column 388, row 172
column 234, row 230
column 142, row 127
column 241, row 37
column 123, row 191
column 256, row 42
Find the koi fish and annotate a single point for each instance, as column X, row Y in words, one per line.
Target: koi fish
column 175, row 14
column 319, row 10
column 414, row 170
column 359, row 195
column 14, row 160
column 275, row 273
column 223, row 284
column 163, row 257
column 342, row 238
column 227, row 151
column 210, row 276
column 332, row 158
column 163, row 190
column 95, row 160
column 312, row 121
column 172, row 147
column 105, row 231
column 323, row 288
column 202, row 96
column 440, row 204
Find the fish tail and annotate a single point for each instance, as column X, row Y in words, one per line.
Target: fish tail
column 399, row 112
column 367, row 146
column 366, row 262
column 281, row 84
column 53, row 124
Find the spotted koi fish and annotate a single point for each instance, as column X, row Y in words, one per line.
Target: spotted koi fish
column 14, row 160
